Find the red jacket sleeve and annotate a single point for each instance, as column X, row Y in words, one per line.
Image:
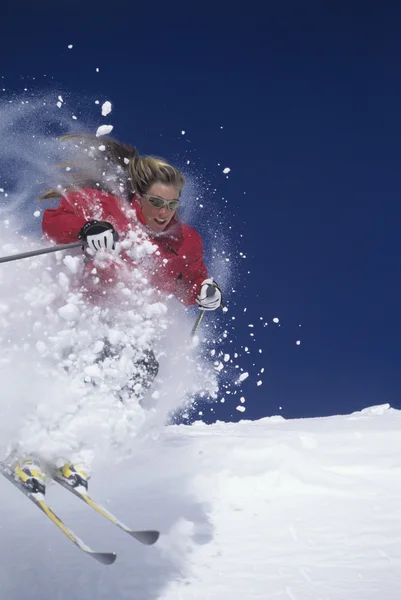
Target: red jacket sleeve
column 194, row 272
column 62, row 224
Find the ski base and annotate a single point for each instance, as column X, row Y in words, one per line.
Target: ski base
column 147, row 537
column 105, row 558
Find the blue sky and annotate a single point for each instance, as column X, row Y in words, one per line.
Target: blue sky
column 302, row 103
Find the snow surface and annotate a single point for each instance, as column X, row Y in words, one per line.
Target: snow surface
column 299, row 509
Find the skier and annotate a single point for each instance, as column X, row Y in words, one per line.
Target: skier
column 109, row 191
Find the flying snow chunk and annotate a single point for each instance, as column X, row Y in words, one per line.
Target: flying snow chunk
column 298, row 342
column 183, row 132
column 276, row 320
column 243, row 376
column 69, row 312
column 72, row 263
column 241, row 408
column 259, row 383
column 104, row 130
column 36, row 213
column 226, row 170
column 70, row 46
column 106, row 108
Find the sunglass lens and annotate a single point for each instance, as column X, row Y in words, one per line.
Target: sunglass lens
column 156, row 202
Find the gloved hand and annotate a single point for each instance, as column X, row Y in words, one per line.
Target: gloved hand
column 209, row 296
column 99, row 235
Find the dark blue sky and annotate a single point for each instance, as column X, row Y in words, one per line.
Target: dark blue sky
column 308, row 95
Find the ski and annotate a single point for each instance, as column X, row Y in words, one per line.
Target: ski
column 147, row 537
column 106, row 558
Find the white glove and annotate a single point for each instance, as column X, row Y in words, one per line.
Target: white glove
column 99, row 235
column 209, row 296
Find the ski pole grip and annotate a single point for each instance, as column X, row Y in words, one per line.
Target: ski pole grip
column 210, row 291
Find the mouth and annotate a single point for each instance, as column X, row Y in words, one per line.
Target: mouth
column 160, row 221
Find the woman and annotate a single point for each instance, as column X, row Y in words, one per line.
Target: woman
column 110, row 194
column 102, row 206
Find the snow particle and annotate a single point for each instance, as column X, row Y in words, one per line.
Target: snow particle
column 69, row 312
column 226, row 170
column 36, row 213
column 70, row 46
column 104, row 130
column 298, row 342
column 276, row 320
column 241, row 408
column 106, row 108
column 243, row 376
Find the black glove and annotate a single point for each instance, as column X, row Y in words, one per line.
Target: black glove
column 99, row 235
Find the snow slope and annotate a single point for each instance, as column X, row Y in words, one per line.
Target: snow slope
column 295, row 509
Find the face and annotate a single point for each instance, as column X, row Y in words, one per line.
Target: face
column 157, row 219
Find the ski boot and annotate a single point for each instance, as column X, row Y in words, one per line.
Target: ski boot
column 30, row 475
column 74, row 476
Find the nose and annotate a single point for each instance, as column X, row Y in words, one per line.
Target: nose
column 162, row 212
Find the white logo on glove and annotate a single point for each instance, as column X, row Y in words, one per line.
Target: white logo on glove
column 101, row 241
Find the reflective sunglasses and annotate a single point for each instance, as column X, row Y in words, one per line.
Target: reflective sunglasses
column 160, row 202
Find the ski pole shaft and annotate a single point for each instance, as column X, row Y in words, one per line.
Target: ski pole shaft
column 209, row 292
column 4, row 259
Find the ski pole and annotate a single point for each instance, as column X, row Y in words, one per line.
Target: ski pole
column 209, row 292
column 4, row 259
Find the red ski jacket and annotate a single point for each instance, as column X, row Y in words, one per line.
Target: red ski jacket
column 177, row 265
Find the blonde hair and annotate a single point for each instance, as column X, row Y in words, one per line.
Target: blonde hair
column 146, row 170
column 108, row 165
